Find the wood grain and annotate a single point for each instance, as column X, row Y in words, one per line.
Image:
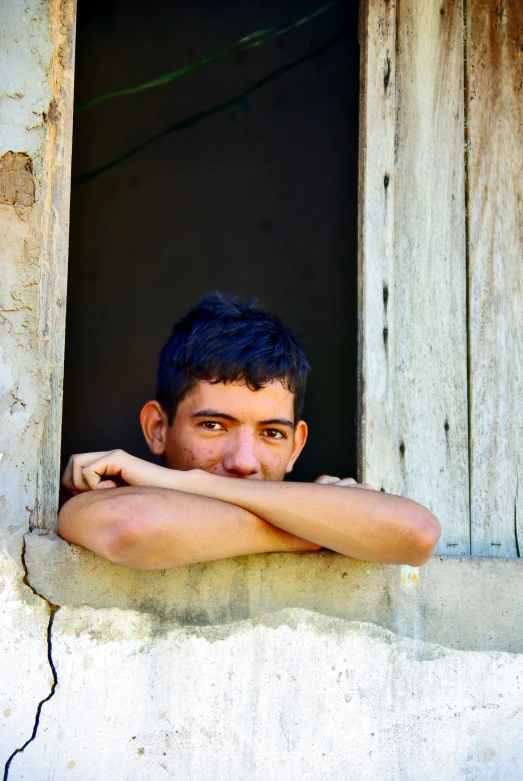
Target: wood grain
column 414, row 422
column 495, row 206
column 54, row 248
column 376, row 293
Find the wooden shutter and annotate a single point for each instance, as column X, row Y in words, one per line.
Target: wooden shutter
column 441, row 263
column 495, row 284
column 413, row 350
column 52, row 293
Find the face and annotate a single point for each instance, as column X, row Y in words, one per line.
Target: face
column 230, row 430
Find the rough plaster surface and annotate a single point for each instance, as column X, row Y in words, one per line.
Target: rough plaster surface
column 279, row 666
column 467, row 604
column 304, row 696
column 25, row 675
column 25, row 51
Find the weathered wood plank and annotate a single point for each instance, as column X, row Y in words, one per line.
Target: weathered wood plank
column 377, row 461
column 414, row 422
column 495, row 195
column 54, row 247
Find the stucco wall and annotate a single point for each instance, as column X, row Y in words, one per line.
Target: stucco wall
column 285, row 666
column 290, row 666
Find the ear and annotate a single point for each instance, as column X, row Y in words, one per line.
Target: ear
column 300, row 438
column 154, row 423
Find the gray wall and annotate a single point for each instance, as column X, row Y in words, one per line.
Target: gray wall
column 261, row 205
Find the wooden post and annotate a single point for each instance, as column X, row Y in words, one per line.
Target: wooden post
column 413, row 348
column 495, row 284
column 376, row 290
column 54, row 248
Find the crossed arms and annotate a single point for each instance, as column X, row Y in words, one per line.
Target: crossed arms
column 166, row 518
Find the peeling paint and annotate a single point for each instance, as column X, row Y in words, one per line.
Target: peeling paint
column 17, row 184
column 409, row 578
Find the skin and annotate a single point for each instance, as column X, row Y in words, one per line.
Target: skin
column 228, row 430
column 220, row 492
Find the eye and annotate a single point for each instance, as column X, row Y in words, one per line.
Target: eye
column 274, row 433
column 211, row 425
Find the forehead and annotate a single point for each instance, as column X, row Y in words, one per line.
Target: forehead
column 239, row 401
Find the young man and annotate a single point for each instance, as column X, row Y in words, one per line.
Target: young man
column 231, row 386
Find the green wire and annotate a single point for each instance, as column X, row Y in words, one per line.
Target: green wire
column 241, row 100
column 241, row 45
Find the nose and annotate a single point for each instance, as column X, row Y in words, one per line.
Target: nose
column 241, row 459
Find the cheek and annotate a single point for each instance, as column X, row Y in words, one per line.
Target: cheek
column 274, row 464
column 197, row 456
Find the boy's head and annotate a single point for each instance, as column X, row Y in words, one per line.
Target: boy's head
column 237, row 360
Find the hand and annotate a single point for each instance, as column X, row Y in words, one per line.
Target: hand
column 111, row 469
column 347, row 482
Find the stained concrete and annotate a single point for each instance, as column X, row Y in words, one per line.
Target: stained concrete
column 305, row 697
column 25, row 674
column 468, row 604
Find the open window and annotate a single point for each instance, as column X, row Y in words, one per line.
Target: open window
column 257, row 198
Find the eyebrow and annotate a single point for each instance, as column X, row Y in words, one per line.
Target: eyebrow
column 213, row 413
column 277, row 422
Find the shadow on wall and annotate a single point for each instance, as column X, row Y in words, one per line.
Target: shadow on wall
column 260, row 203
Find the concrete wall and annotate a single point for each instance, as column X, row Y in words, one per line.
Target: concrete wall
column 28, row 117
column 286, row 666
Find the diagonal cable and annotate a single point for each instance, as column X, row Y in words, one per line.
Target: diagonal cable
column 241, row 101
column 237, row 47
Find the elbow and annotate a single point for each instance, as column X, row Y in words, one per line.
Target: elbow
column 423, row 538
column 105, row 524
column 122, row 538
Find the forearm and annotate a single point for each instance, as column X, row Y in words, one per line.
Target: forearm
column 358, row 523
column 157, row 528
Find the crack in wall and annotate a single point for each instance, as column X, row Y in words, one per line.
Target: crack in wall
column 518, row 550
column 53, row 609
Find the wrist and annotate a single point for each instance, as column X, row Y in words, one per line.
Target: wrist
column 190, row 481
column 197, row 481
column 202, row 483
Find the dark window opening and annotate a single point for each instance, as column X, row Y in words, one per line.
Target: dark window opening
column 259, row 199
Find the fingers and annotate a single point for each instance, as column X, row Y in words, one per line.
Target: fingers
column 78, row 472
column 109, row 464
column 110, row 469
column 348, row 482
column 76, row 479
column 327, row 479
column 105, row 484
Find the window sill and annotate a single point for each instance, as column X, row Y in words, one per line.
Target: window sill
column 461, row 603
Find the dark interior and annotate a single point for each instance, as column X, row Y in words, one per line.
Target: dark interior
column 256, row 199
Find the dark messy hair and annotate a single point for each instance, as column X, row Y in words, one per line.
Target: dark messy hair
column 222, row 340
